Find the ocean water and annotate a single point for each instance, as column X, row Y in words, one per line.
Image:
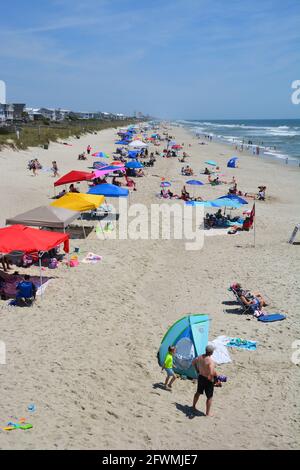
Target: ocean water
column 276, row 138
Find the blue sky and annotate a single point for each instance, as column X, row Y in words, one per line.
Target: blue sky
column 170, row 58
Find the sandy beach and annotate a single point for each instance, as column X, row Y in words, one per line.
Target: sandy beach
column 85, row 354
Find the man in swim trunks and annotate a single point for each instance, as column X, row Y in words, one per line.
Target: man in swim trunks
column 205, row 367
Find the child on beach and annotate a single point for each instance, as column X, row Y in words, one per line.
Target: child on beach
column 55, row 169
column 168, row 367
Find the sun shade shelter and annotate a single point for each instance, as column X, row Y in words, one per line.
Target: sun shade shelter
column 78, row 202
column 134, row 165
column 45, row 216
column 234, row 197
column 107, row 170
column 232, row 163
column 74, row 177
column 31, row 240
column 109, row 190
column 190, row 337
column 136, row 144
column 195, row 182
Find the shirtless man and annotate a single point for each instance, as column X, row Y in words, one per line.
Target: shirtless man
column 205, row 368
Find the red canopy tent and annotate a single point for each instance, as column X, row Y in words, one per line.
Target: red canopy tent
column 73, row 177
column 30, row 240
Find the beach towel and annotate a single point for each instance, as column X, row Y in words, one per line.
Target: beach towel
column 91, row 258
column 242, row 344
column 220, row 354
column 272, row 317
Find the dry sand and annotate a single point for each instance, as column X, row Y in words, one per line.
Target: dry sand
column 86, row 353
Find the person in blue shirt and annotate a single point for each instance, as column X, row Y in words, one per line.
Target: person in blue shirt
column 26, row 289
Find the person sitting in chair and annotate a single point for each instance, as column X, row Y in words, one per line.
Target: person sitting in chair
column 247, row 225
column 26, row 290
column 72, row 189
column 115, row 181
column 184, row 194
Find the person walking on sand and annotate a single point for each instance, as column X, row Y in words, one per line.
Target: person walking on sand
column 55, row 169
column 168, row 367
column 88, row 149
column 205, row 368
column 34, row 167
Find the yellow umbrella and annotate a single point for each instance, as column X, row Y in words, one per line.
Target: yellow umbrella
column 79, row 202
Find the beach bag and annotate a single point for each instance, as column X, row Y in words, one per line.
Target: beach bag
column 74, row 261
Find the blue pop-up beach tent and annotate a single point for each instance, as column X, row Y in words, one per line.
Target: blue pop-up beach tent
column 232, row 163
column 133, row 153
column 190, row 337
column 108, row 190
column 134, row 164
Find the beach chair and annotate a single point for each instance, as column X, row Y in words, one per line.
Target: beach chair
column 245, row 309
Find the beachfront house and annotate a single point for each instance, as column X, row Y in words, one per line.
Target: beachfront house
column 6, row 112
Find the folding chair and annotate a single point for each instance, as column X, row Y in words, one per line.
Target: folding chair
column 246, row 309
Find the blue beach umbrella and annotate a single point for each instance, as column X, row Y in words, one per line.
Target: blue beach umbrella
column 108, row 190
column 234, row 197
column 134, row 165
column 195, row 182
column 200, row 203
column 122, row 142
column 165, row 184
column 133, row 153
column 226, row 202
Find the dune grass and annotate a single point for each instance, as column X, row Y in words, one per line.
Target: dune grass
column 40, row 134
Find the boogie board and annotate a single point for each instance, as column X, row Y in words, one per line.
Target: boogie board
column 272, row 317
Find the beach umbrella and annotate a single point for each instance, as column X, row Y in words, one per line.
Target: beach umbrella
column 108, row 190
column 211, row 162
column 234, row 197
column 165, row 184
column 200, row 203
column 100, row 154
column 137, row 144
column 133, row 153
column 122, row 142
column 177, row 147
column 226, row 202
column 134, row 165
column 195, row 182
